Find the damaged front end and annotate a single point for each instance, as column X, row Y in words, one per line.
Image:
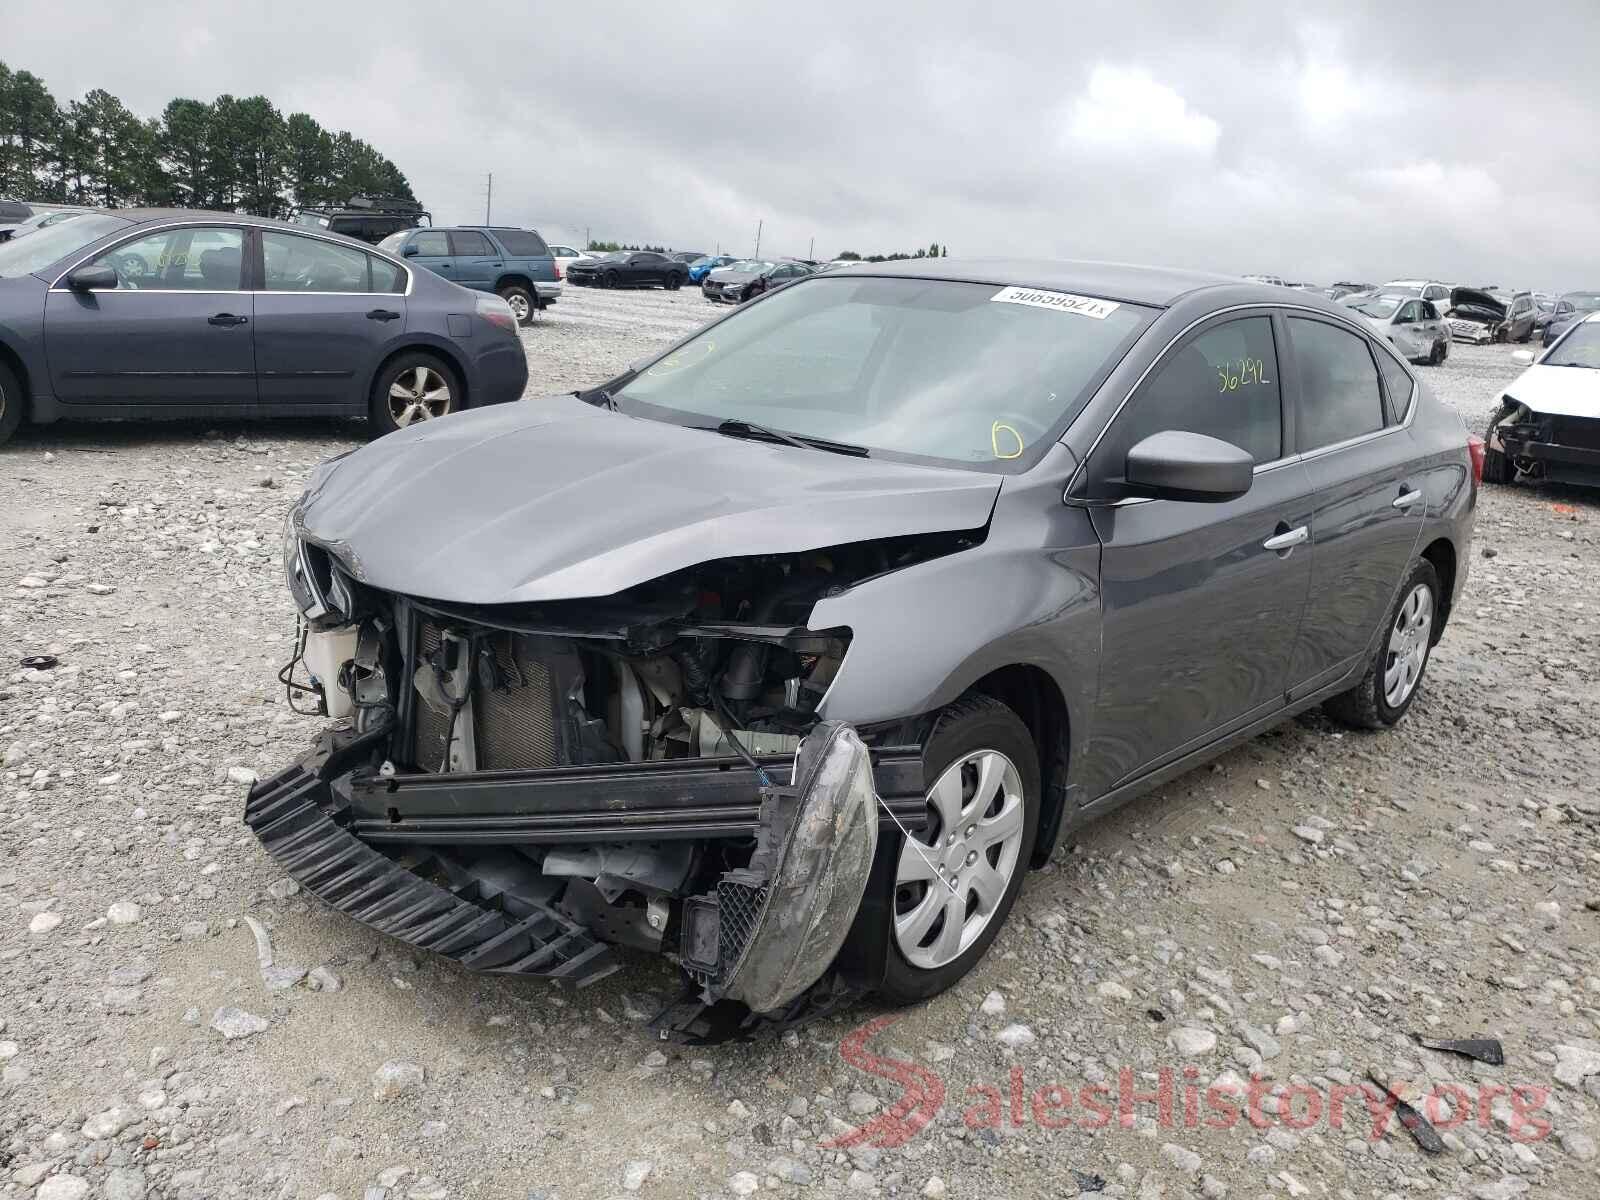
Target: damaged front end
column 526, row 787
column 1475, row 316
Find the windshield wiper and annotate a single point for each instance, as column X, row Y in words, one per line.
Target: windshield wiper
column 737, row 427
column 598, row 397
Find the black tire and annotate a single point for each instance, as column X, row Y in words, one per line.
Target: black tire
column 1435, row 356
column 609, row 279
column 523, row 302
column 11, row 404
column 1365, row 706
column 973, row 723
column 380, row 418
column 673, row 282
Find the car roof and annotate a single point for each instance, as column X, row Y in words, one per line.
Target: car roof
column 1154, row 286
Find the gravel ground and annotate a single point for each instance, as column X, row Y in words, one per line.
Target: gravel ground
column 1295, row 910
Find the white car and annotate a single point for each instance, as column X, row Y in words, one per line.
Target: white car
column 565, row 256
column 1411, row 325
column 1548, row 423
column 1429, row 289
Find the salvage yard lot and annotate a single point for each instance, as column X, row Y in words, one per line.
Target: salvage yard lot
column 1297, row 909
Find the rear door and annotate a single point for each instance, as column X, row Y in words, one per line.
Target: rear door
column 1368, row 499
column 326, row 314
column 1201, row 601
column 176, row 330
column 478, row 261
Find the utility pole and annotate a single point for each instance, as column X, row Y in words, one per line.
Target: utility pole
column 587, row 240
column 812, row 253
column 488, row 203
column 759, row 224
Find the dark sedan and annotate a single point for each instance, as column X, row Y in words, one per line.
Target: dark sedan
column 1570, row 308
column 751, row 278
column 629, row 268
column 147, row 313
column 787, row 652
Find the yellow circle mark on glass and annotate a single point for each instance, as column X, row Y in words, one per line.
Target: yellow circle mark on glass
column 999, row 435
column 687, row 357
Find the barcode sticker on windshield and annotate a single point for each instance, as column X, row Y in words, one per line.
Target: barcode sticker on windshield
column 1084, row 306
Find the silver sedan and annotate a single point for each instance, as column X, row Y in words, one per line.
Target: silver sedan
column 1410, row 324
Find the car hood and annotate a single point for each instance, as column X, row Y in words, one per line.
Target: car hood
column 555, row 499
column 728, row 275
column 1476, row 305
column 1558, row 391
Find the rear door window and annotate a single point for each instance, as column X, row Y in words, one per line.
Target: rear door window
column 386, row 277
column 1222, row 383
column 1340, row 397
column 469, row 242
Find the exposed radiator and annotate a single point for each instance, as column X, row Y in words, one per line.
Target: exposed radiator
column 515, row 726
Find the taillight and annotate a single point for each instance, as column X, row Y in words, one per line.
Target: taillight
column 1475, row 449
column 558, row 272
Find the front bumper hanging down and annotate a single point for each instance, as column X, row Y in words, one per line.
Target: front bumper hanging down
column 406, row 854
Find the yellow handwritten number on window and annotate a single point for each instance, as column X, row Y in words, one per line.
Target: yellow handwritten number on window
column 1238, row 373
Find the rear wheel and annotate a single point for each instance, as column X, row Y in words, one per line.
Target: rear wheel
column 10, row 404
column 957, row 879
column 1395, row 674
column 523, row 305
column 414, row 387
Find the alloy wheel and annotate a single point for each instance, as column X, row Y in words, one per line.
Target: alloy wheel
column 521, row 309
column 1408, row 645
column 419, row 394
column 953, row 875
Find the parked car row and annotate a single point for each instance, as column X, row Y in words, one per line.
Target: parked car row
column 751, row 277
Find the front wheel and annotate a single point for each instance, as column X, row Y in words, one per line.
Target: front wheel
column 413, row 387
column 958, row 877
column 673, row 282
column 608, row 280
column 523, row 305
column 1395, row 674
column 10, row 404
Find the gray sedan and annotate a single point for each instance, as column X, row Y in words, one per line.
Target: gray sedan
column 1410, row 325
column 140, row 313
column 786, row 653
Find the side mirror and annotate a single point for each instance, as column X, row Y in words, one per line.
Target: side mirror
column 93, row 279
column 1188, row 466
column 1522, row 357
column 409, row 251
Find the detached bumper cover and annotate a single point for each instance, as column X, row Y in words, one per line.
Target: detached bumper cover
column 507, row 934
column 764, row 934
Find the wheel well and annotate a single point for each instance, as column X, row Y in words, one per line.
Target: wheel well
column 11, row 359
column 1029, row 692
column 427, row 348
column 521, row 281
column 1443, row 557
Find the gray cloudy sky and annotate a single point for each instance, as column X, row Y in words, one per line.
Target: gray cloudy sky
column 1442, row 139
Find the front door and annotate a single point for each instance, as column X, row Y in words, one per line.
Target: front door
column 325, row 314
column 1369, row 503
column 176, row 330
column 1201, row 601
column 431, row 249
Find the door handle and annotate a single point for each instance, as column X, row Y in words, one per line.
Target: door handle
column 1287, row 541
column 383, row 314
column 1407, row 499
column 226, row 319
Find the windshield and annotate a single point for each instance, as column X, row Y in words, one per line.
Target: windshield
column 391, row 244
column 1580, row 348
column 958, row 373
column 702, row 261
column 1379, row 306
column 23, row 256
column 1583, row 301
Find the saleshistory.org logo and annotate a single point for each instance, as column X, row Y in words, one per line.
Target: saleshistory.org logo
column 1176, row 1100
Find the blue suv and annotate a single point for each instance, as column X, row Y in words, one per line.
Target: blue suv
column 516, row 264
